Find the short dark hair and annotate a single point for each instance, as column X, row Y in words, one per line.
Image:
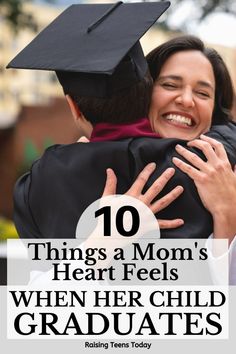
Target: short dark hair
column 224, row 92
column 127, row 106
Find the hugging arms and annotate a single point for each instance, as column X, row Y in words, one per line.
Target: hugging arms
column 192, row 94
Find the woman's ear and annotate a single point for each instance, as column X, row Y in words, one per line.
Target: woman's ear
column 77, row 114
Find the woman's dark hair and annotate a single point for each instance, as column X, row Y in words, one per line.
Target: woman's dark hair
column 224, row 89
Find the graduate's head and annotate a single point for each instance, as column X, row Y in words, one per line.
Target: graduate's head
column 192, row 88
column 125, row 106
column 95, row 51
column 120, row 96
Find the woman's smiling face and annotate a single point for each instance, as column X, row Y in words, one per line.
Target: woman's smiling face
column 183, row 96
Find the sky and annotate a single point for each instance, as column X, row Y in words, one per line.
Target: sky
column 211, row 31
column 218, row 28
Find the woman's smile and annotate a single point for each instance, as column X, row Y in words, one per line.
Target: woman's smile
column 179, row 119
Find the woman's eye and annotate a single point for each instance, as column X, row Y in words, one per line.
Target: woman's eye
column 169, row 85
column 203, row 94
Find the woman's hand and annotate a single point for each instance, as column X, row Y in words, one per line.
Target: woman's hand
column 147, row 197
column 215, row 181
column 94, row 240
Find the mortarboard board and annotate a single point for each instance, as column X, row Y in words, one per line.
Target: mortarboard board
column 94, row 48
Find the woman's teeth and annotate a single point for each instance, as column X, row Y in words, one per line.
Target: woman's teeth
column 179, row 119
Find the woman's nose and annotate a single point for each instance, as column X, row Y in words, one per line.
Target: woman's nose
column 185, row 98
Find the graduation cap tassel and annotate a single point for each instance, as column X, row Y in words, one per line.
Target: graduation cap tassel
column 101, row 19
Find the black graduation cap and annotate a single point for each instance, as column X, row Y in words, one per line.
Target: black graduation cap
column 94, row 48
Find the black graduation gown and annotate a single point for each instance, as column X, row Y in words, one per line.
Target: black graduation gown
column 50, row 199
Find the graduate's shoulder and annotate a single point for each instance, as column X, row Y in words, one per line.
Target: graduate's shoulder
column 74, row 157
column 224, row 133
column 60, row 150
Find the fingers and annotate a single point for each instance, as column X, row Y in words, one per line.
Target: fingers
column 217, row 160
column 218, row 147
column 167, row 199
column 170, row 224
column 212, row 149
column 191, row 157
column 206, row 148
column 138, row 185
column 189, row 170
column 111, row 182
column 158, row 185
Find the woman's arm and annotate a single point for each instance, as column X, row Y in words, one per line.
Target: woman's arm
column 215, row 182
